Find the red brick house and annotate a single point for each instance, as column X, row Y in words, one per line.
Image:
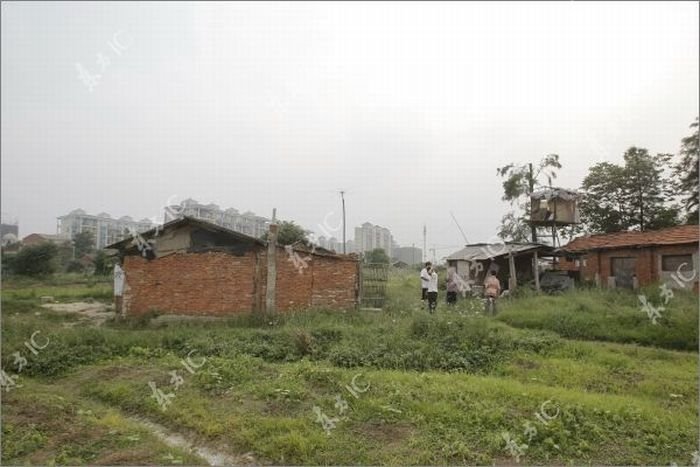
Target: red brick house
column 632, row 259
column 190, row 266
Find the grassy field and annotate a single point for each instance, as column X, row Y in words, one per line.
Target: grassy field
column 580, row 378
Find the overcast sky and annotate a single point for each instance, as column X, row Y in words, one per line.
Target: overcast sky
column 409, row 108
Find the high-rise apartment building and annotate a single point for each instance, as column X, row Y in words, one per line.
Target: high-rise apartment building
column 369, row 237
column 105, row 229
column 247, row 223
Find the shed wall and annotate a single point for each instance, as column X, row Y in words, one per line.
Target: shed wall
column 596, row 265
column 219, row 283
column 212, row 283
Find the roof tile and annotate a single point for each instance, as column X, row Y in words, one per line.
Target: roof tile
column 672, row 236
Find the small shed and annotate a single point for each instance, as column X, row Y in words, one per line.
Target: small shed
column 513, row 262
column 190, row 266
column 554, row 207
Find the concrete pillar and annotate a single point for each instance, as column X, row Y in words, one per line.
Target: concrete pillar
column 270, row 291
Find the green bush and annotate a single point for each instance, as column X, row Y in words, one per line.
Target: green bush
column 37, row 260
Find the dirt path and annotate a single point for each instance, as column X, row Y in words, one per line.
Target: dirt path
column 94, row 312
column 177, row 440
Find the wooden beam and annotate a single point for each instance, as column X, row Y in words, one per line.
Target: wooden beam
column 536, row 270
column 512, row 280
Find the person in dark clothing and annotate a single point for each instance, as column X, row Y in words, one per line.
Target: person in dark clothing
column 452, row 286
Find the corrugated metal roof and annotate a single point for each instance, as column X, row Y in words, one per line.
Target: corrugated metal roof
column 484, row 251
column 561, row 193
column 672, row 236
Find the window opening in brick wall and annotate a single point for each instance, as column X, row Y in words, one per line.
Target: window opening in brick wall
column 671, row 263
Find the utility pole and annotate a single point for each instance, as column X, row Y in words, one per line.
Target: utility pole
column 425, row 246
column 342, row 197
column 531, row 186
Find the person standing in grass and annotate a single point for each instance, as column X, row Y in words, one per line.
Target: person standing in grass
column 492, row 289
column 424, row 280
column 452, row 286
column 432, row 290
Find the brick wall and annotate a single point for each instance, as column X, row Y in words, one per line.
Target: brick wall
column 648, row 266
column 211, row 283
column 314, row 281
column 218, row 283
column 294, row 283
column 335, row 283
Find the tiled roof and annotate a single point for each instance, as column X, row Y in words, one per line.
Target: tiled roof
column 233, row 235
column 672, row 236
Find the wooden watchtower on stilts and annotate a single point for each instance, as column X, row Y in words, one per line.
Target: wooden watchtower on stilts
column 554, row 207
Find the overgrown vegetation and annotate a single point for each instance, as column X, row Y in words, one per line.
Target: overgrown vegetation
column 39, row 260
column 443, row 389
column 609, row 315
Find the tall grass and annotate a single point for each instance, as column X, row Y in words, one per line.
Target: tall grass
column 609, row 315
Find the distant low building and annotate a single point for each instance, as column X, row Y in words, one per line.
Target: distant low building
column 6, row 228
column 408, row 254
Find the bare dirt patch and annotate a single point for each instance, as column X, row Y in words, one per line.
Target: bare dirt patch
column 94, row 313
column 212, row 456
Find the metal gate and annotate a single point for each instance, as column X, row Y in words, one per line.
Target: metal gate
column 623, row 269
column 373, row 280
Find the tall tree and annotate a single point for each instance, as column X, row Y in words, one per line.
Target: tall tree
column 605, row 205
column 103, row 263
column 514, row 228
column 84, row 243
column 686, row 171
column 289, row 233
column 633, row 196
column 648, row 189
column 378, row 255
column 520, row 182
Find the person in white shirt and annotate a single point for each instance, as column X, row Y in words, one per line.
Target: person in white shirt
column 432, row 290
column 424, row 280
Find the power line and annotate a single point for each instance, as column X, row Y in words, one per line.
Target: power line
column 459, row 227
